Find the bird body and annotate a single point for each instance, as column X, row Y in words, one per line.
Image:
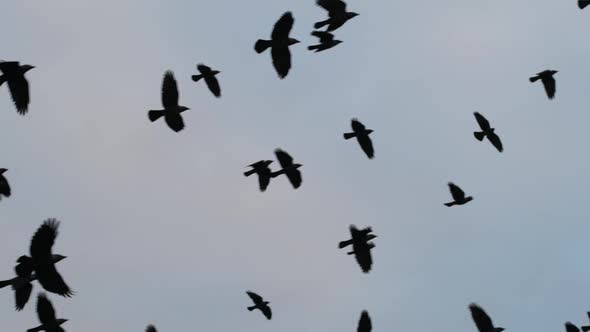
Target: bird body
column 46, row 313
column 4, row 185
column 458, row 196
column 487, row 131
column 336, row 12
column 172, row 110
column 279, row 44
column 264, row 173
column 209, row 75
column 289, row 168
column 361, row 247
column 362, row 136
column 14, row 75
column 327, row 41
column 482, row 320
column 260, row 304
column 364, row 324
column 548, row 81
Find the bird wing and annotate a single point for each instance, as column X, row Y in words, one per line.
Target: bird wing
column 19, row 90
column 22, row 295
column 203, row 68
column 255, row 297
column 357, row 126
column 496, row 142
column 213, row 85
column 283, row 27
column 570, row 327
column 150, row 328
column 456, row 192
column 364, row 322
column 174, row 121
column 294, row 177
column 45, row 310
column 481, row 319
column 52, row 281
column 325, row 37
column 24, row 269
column 362, row 253
column 266, row 311
column 484, row 124
column 549, row 84
column 264, row 179
column 334, row 7
column 583, row 3
column 367, row 145
column 284, row 158
column 4, row 187
column 169, row 90
column 281, row 60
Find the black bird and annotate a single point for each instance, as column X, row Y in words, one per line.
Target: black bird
column 326, row 41
column 279, row 44
column 150, row 328
column 22, row 283
column 336, row 12
column 210, row 79
column 365, row 323
column 586, row 328
column 46, row 315
column 259, row 303
column 458, row 196
column 482, row 320
column 362, row 136
column 14, row 76
column 570, row 327
column 361, row 247
column 548, row 81
column 583, row 3
column 487, row 131
column 288, row 168
column 172, row 110
column 264, row 173
column 4, row 186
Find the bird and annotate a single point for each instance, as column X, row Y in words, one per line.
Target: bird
column 150, row 328
column 279, row 44
column 46, row 315
column 362, row 136
column 586, row 328
column 570, row 327
column 22, row 283
column 458, row 196
column 364, row 322
column 583, row 3
column 290, row 169
column 336, row 12
column 548, row 81
column 482, row 320
column 4, row 186
column 259, row 303
column 210, row 79
column 487, row 131
column 14, row 76
column 264, row 173
column 172, row 110
column 327, row 41
column 361, row 247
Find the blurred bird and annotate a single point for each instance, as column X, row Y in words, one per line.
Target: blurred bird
column 279, row 44
column 326, row 41
column 364, row 322
column 362, row 136
column 264, row 173
column 583, row 3
column 336, row 12
column 14, row 76
column 482, row 320
column 361, row 247
column 172, row 110
column 210, row 79
column 586, row 328
column 458, row 196
column 288, row 168
column 260, row 304
column 4, row 186
column 570, row 327
column 487, row 131
column 46, row 315
column 150, row 328
column 548, row 81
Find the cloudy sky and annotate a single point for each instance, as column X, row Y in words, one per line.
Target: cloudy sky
column 163, row 228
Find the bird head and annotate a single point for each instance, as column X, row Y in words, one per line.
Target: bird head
column 553, row 72
column 293, row 41
column 26, row 68
column 351, row 15
column 57, row 258
column 499, row 329
column 2, row 170
column 297, row 166
column 183, row 108
column 215, row 72
column 369, row 131
column 61, row 321
column 267, row 162
column 370, row 237
column 336, row 42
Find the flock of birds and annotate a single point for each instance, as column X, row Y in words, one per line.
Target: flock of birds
column 41, row 264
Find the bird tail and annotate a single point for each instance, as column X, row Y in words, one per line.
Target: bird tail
column 349, row 135
column 585, row 328
column 251, row 308
column 321, row 24
column 250, row 172
column 5, row 283
column 155, row 115
column 196, row 78
column 479, row 135
column 343, row 244
column 262, row 45
column 450, row 204
column 534, row 79
column 313, row 47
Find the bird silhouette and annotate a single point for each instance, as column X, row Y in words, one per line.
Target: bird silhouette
column 279, row 44
column 362, row 136
column 172, row 110
column 548, row 81
column 336, row 12
column 482, row 320
column 210, row 79
column 364, row 322
column 14, row 75
column 327, row 41
column 586, row 328
column 570, row 327
column 46, row 315
column 260, row 304
column 4, row 186
column 487, row 131
column 290, row 169
column 458, row 196
column 361, row 247
column 263, row 171
column 150, row 328
column 583, row 3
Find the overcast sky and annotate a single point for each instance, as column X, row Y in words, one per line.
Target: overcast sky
column 163, row 228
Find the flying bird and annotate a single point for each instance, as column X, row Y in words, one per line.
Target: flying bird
column 487, row 131
column 14, row 75
column 336, row 12
column 263, row 171
column 279, row 44
column 4, row 186
column 583, row 3
column 482, row 320
column 150, row 328
column 458, row 196
column 260, row 304
column 586, row 328
column 46, row 315
column 364, row 323
column 172, row 110
column 210, row 79
column 548, row 81
column 362, row 136
column 288, row 168
column 361, row 247
column 570, row 327
column 327, row 41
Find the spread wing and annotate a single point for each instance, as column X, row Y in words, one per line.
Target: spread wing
column 255, row 297
column 281, row 60
column 264, row 179
column 283, row 27
column 294, row 177
column 22, row 295
column 496, row 142
column 4, row 187
column 45, row 310
column 284, row 158
column 174, row 121
column 484, row 124
column 357, row 126
column 203, row 68
column 364, row 322
column 457, row 193
column 334, row 7
column 266, row 311
column 367, row 145
column 24, row 268
column 570, row 327
column 362, row 253
column 169, row 90
column 19, row 90
column 549, row 84
column 150, row 328
column 583, row 3
column 213, row 85
column 481, row 319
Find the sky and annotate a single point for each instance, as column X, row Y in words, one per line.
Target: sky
column 163, row 228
